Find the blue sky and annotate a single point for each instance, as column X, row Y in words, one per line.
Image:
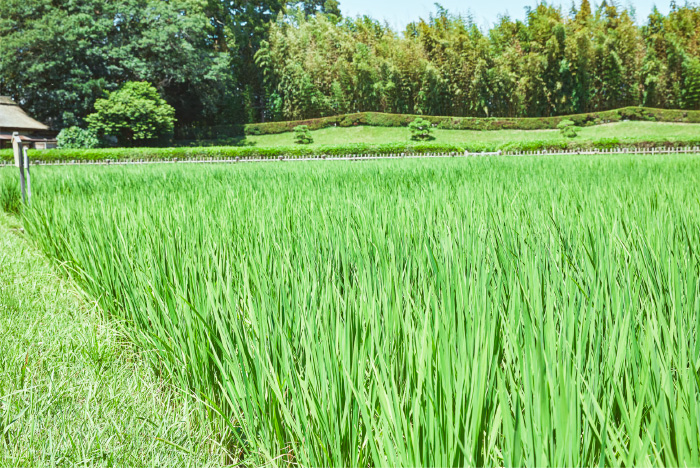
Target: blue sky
column 398, row 13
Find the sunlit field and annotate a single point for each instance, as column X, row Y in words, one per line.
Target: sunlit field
column 625, row 132
column 485, row 311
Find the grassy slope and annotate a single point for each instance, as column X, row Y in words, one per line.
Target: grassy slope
column 71, row 391
column 343, row 135
column 371, row 139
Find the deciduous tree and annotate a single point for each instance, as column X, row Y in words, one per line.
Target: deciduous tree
column 134, row 113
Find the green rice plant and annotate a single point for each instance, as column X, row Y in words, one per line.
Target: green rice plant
column 458, row 312
column 73, row 391
column 10, row 197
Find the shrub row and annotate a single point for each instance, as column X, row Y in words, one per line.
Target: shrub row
column 451, row 123
column 228, row 152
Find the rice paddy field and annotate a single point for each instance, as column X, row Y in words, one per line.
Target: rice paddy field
column 460, row 312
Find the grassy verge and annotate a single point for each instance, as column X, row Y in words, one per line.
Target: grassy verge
column 387, row 140
column 72, row 392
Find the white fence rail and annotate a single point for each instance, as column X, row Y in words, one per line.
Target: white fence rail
column 362, row 157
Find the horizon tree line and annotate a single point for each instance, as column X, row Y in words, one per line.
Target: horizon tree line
column 233, row 62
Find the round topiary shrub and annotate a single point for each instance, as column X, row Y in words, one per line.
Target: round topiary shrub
column 77, row 138
column 302, row 135
column 133, row 114
column 568, row 128
column 421, row 130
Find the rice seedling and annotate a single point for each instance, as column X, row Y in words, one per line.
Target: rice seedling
column 502, row 311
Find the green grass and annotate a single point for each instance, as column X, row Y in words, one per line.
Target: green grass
column 345, row 141
column 625, row 131
column 73, row 392
column 378, row 119
column 484, row 311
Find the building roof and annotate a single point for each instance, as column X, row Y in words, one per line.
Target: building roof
column 13, row 117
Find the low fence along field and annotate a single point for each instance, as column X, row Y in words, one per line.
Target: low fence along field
column 441, row 312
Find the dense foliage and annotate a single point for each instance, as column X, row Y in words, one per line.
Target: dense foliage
column 568, row 128
column 551, row 64
column 132, row 114
column 420, row 129
column 302, row 135
column 77, row 138
column 58, row 58
column 470, row 312
column 238, row 62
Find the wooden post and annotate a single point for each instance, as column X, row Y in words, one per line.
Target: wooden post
column 29, row 179
column 19, row 162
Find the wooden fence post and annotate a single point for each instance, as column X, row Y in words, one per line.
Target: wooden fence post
column 19, row 162
column 29, row 179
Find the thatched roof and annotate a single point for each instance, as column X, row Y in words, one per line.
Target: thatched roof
column 14, row 118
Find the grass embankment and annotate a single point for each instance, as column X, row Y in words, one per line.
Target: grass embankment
column 625, row 132
column 73, row 392
column 343, row 141
column 378, row 119
column 462, row 312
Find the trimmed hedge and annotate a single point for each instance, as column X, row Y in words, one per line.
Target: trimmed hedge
column 378, row 119
column 233, row 152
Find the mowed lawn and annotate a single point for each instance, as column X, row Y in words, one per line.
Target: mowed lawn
column 632, row 131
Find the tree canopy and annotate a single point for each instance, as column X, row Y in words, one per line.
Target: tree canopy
column 58, row 58
column 235, row 61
